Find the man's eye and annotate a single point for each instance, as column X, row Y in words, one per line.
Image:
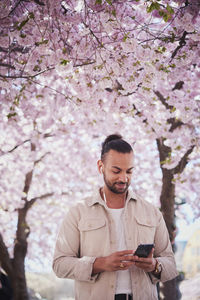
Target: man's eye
column 130, row 172
column 116, row 172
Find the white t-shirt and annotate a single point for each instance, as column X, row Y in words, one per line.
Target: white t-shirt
column 123, row 284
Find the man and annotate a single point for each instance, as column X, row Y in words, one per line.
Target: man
column 98, row 238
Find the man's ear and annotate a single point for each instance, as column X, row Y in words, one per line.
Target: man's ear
column 100, row 165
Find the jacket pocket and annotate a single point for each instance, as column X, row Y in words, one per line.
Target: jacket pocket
column 91, row 224
column 146, row 231
column 93, row 236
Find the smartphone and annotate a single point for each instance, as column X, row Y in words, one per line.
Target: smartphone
column 143, row 250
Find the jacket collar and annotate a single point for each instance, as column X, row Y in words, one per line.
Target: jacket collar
column 96, row 197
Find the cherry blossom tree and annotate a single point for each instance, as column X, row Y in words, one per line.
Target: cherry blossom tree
column 72, row 72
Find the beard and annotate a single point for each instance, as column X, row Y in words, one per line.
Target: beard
column 115, row 187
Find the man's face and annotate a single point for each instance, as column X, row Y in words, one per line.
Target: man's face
column 117, row 171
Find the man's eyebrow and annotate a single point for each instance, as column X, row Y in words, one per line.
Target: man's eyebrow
column 120, row 168
column 116, row 167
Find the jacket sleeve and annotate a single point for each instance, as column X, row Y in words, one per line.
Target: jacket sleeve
column 67, row 262
column 163, row 252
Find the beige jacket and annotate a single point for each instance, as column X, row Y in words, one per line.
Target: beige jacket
column 88, row 232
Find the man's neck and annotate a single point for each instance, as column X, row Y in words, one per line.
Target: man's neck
column 113, row 200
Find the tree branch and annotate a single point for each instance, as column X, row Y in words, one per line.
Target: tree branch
column 163, row 100
column 46, row 135
column 92, row 33
column 27, row 76
column 33, row 200
column 84, row 64
column 50, row 88
column 28, row 181
column 18, row 48
column 183, row 162
column 39, row 2
column 17, row 4
column 182, row 43
column 41, row 158
column 7, row 66
column 178, row 85
column 29, row 175
column 14, row 148
column 164, row 151
column 173, row 121
column 174, row 124
column 12, row 10
column 30, row 203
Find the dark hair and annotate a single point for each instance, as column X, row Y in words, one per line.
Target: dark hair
column 115, row 142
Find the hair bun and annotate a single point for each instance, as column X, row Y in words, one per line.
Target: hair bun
column 112, row 137
column 115, row 142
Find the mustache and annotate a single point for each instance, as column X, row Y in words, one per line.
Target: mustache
column 121, row 182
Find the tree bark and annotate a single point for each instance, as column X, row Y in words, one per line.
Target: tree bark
column 167, row 196
column 20, row 250
column 170, row 288
column 15, row 268
column 167, row 199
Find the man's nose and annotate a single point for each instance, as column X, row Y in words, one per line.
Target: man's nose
column 123, row 177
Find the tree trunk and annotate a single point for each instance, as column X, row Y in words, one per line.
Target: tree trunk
column 167, row 197
column 167, row 200
column 15, row 267
column 19, row 283
column 20, row 250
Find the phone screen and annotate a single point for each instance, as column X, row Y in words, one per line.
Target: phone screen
column 143, row 250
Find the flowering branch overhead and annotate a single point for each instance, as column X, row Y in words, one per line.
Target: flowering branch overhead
column 73, row 72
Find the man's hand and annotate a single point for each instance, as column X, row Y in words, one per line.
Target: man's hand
column 121, row 260
column 147, row 264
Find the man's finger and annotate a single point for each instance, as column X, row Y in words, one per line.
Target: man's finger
column 125, row 265
column 127, row 258
column 151, row 253
column 124, row 252
column 143, row 260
